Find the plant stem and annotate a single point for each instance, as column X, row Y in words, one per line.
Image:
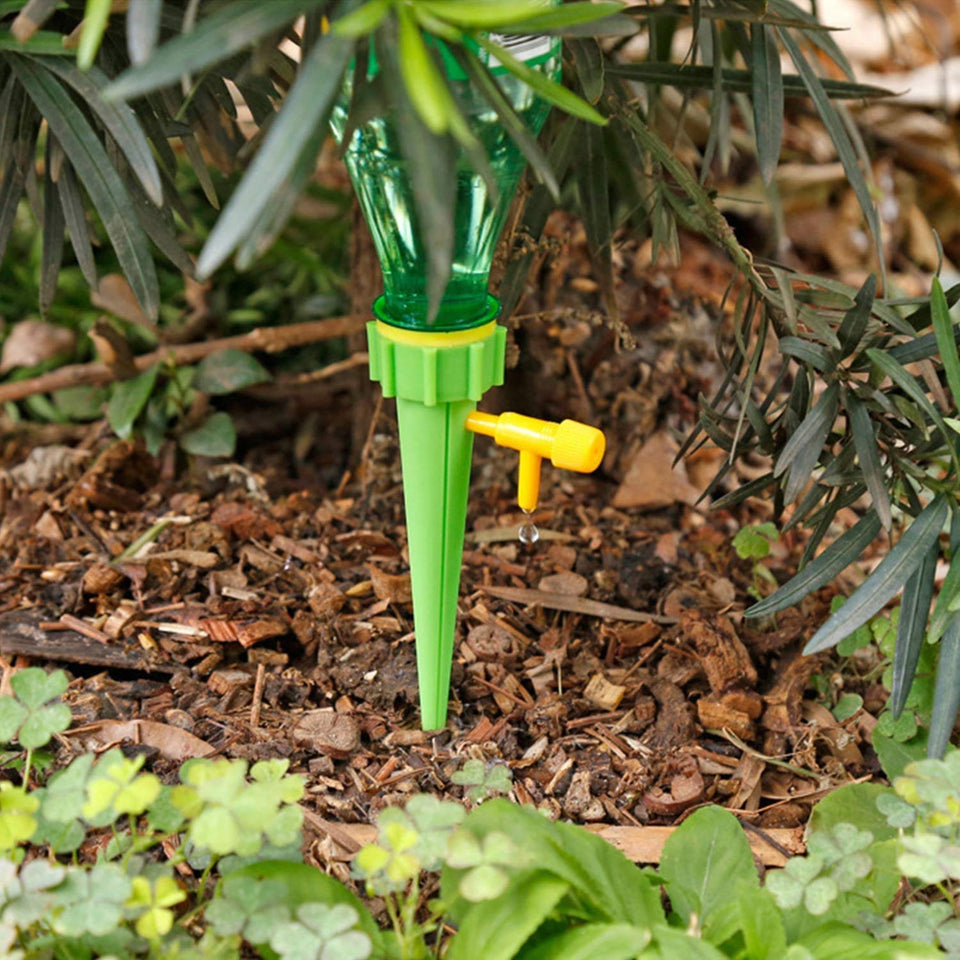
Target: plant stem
column 26, row 769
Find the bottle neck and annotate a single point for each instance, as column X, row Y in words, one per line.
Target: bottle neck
column 451, row 317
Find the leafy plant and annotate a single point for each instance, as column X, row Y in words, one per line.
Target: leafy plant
column 163, row 399
column 753, row 543
column 511, row 883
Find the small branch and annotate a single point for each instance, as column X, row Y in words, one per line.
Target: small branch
column 264, row 339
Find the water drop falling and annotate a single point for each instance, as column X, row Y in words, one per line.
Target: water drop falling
column 528, row 532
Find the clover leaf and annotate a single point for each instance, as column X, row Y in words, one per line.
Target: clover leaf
column 929, row 857
column 28, row 895
column 249, row 906
column 29, row 716
column 919, row 921
column 483, row 862
column 17, row 823
column 229, row 815
column 483, row 782
column 116, row 787
column 392, row 862
column 153, row 903
column 753, row 542
column 322, row 932
column 91, row 901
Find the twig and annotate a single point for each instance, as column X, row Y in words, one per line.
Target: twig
column 257, row 695
column 265, row 339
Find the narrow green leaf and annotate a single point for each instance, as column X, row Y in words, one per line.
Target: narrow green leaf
column 53, row 227
column 922, row 316
column 43, row 43
column 589, row 60
column 482, row 14
column 99, row 176
column 822, row 569
column 364, row 20
column 802, row 451
column 76, row 220
column 838, row 134
column 595, row 199
column 96, row 15
column 854, row 323
column 559, row 18
column 945, row 330
column 767, row 99
column 11, row 189
column 228, row 31
column 307, row 107
column 128, row 400
column 909, row 385
column 488, row 86
column 813, row 30
column 215, row 437
column 424, row 83
column 921, row 348
column 119, row 120
column 912, row 628
column 946, row 695
column 548, row 89
column 143, row 29
column 861, row 426
column 432, row 162
column 890, row 575
column 950, row 589
column 812, row 354
column 700, row 77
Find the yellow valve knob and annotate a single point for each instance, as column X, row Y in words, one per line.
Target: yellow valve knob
column 569, row 445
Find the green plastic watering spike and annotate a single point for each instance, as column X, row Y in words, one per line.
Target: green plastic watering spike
column 439, row 371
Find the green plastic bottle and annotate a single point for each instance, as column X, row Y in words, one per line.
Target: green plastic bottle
column 379, row 174
column 439, row 371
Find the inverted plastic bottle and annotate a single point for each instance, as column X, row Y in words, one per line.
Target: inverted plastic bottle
column 439, row 371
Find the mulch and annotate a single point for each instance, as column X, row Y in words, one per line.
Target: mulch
column 267, row 612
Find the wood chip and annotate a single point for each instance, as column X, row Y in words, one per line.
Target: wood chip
column 603, row 694
column 193, row 558
column 395, row 588
column 325, row 599
column 328, row 732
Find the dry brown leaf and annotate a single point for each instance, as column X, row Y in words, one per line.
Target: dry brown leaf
column 173, row 742
column 652, row 481
column 32, row 341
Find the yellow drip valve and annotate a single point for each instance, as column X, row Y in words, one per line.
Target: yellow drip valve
column 570, row 445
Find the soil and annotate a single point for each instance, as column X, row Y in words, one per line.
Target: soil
column 609, row 664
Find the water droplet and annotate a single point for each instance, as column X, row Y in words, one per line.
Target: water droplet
column 528, row 533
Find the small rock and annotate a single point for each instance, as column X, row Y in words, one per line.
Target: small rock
column 327, row 732
column 567, row 582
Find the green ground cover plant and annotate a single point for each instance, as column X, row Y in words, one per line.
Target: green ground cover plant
column 81, row 873
column 100, row 111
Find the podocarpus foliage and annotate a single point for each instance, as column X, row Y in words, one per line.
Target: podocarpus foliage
column 848, row 408
column 104, row 860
